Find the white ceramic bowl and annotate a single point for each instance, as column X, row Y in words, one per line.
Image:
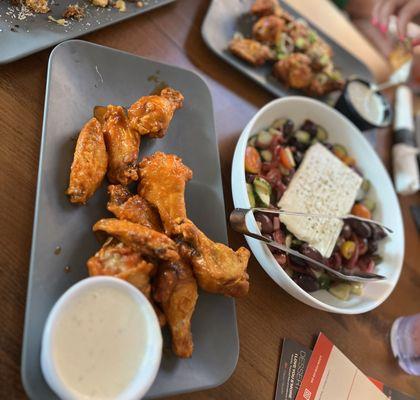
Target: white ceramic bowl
column 340, row 130
column 149, row 364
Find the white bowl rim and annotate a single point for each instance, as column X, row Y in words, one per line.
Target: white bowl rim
column 147, row 371
column 307, row 298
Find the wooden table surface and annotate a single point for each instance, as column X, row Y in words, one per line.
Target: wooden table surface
column 268, row 314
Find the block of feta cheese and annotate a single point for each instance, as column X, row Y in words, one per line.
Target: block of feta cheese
column 323, row 184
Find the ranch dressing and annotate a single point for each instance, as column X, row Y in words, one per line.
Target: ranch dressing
column 99, row 342
column 366, row 102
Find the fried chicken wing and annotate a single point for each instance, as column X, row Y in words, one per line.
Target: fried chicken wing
column 176, row 291
column 139, row 238
column 268, row 29
column 162, row 184
column 119, row 260
column 124, row 205
column 122, row 144
column 294, row 70
column 89, row 163
column 251, row 51
column 218, row 268
column 151, row 115
column 266, row 7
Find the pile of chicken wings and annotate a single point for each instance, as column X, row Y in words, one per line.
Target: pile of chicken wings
column 151, row 242
column 302, row 60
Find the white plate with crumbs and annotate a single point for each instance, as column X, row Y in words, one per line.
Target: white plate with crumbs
column 341, row 131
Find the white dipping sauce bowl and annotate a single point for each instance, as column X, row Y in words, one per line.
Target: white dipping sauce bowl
column 150, row 362
column 340, row 130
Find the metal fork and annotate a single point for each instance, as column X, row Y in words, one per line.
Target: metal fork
column 238, row 224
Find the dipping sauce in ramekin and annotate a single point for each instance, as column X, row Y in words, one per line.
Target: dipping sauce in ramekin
column 366, row 108
column 102, row 340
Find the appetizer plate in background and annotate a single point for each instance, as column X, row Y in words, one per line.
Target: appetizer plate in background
column 224, row 18
column 80, row 76
column 21, row 37
column 340, row 130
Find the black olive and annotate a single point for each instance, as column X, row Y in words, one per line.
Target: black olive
column 310, row 127
column 346, row 231
column 307, row 283
column 297, row 260
column 250, row 178
column 298, row 156
column 310, row 252
column 378, row 233
column 288, row 127
column 372, row 246
column 362, row 229
column 265, row 221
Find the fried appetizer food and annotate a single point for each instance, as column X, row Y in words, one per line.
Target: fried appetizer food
column 37, row 6
column 294, row 70
column 151, row 115
column 124, row 205
column 268, row 29
column 89, row 163
column 217, row 267
column 122, row 144
column 141, row 239
column 119, row 260
column 163, row 178
column 297, row 50
column 251, row 51
column 176, row 291
column 266, row 7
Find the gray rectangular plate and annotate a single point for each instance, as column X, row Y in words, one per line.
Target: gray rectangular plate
column 224, row 18
column 36, row 33
column 80, row 76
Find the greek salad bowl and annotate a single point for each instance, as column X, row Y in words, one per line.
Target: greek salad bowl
column 285, row 145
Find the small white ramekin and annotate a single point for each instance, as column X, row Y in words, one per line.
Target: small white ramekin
column 150, row 363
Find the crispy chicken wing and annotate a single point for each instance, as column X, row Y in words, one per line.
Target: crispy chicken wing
column 124, row 205
column 163, row 178
column 89, row 163
column 176, row 291
column 268, row 29
column 266, row 7
column 251, row 51
column 119, row 260
column 151, row 115
column 122, row 144
column 294, row 70
column 139, row 238
column 218, row 268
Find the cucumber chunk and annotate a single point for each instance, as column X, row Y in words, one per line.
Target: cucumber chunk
column 252, row 140
column 302, row 136
column 263, row 140
column 266, row 155
column 356, row 288
column 262, row 191
column 321, row 134
column 251, row 197
column 370, row 204
column 341, row 291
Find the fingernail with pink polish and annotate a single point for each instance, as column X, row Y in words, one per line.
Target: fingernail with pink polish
column 374, row 21
column 383, row 28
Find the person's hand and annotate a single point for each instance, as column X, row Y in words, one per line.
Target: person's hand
column 405, row 10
